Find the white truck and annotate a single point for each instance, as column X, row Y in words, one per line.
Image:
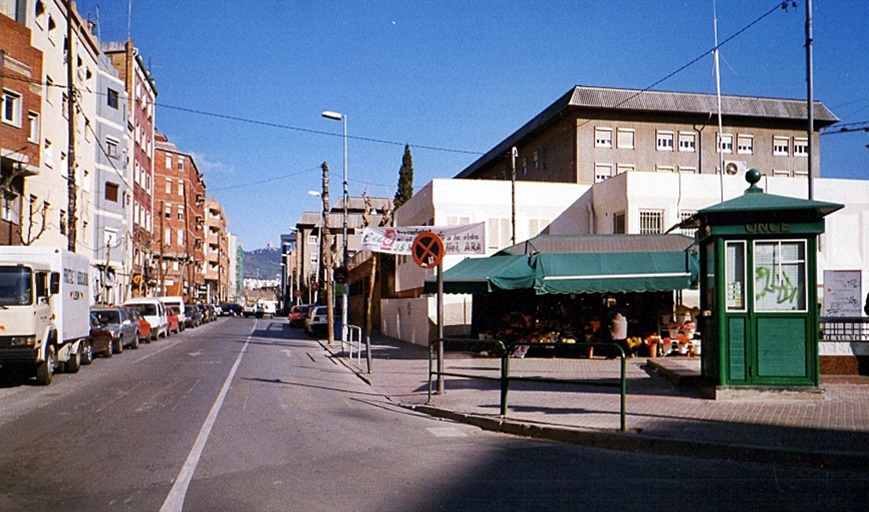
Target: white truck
column 44, row 310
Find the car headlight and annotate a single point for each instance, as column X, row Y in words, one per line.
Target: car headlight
column 23, row 341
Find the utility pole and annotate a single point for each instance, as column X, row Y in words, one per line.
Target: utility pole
column 513, row 154
column 326, row 258
column 810, row 108
column 162, row 235
column 70, row 105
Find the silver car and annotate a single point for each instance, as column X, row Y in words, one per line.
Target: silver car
column 124, row 329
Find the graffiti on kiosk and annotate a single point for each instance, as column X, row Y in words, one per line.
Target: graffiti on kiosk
column 768, row 282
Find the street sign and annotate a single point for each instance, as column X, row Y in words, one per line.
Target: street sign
column 427, row 250
column 340, row 275
column 315, row 286
column 297, row 293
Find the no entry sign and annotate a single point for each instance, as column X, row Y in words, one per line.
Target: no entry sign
column 427, row 250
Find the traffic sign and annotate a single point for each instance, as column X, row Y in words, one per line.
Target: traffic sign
column 297, row 293
column 427, row 250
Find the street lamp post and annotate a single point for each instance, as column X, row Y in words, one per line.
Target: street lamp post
column 337, row 116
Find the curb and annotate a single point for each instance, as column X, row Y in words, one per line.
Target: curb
column 634, row 442
column 638, row 443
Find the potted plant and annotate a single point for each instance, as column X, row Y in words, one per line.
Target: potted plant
column 652, row 341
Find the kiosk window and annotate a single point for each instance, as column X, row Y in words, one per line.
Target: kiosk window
column 735, row 275
column 780, row 275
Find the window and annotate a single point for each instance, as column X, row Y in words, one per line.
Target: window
column 685, row 169
column 781, row 173
column 725, row 143
column 112, row 191
column 62, row 222
column 651, row 222
column 665, row 168
column 780, row 146
column 168, row 185
column 603, row 137
column 625, row 138
column 734, row 262
column 683, row 216
column 498, row 233
column 11, row 207
column 33, row 127
column 622, row 168
column 665, row 141
column 536, row 226
column 524, row 166
column 801, row 146
column 312, row 240
column 11, row 108
column 180, row 212
column 180, row 188
column 168, row 161
column 168, row 208
column 453, row 220
column 112, row 98
column 619, row 223
column 315, row 258
column 180, row 236
column 180, row 163
column 112, row 147
column 110, row 237
column 780, row 275
column 602, row 172
column 745, row 144
column 167, row 236
column 536, row 160
column 687, row 141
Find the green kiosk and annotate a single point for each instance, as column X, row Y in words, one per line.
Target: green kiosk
column 758, row 293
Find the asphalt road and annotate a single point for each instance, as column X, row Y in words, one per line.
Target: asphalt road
column 249, row 415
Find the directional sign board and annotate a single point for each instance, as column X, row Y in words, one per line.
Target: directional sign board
column 427, row 250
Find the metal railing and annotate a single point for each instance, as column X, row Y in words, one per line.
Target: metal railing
column 844, row 328
column 504, row 352
column 353, row 335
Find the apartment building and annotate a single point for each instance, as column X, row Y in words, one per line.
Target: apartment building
column 179, row 199
column 143, row 93
column 113, row 191
column 216, row 254
column 56, row 202
column 593, row 133
column 20, row 126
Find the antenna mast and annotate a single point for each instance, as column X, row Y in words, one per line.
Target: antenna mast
column 718, row 94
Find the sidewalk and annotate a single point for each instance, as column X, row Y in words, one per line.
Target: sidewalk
column 830, row 430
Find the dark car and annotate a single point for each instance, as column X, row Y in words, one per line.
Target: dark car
column 194, row 315
column 298, row 315
column 144, row 326
column 99, row 341
column 124, row 330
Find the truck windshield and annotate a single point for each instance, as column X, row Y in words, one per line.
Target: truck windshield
column 15, row 289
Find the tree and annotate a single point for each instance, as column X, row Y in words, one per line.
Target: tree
column 405, row 179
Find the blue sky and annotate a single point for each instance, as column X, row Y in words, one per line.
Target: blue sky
column 452, row 79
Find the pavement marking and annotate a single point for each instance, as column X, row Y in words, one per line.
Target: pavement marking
column 175, row 500
column 446, row 432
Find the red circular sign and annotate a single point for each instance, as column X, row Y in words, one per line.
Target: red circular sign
column 297, row 293
column 427, row 250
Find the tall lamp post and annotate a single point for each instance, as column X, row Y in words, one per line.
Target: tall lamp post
column 337, row 116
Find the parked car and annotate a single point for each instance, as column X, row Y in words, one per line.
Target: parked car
column 144, row 326
column 194, row 316
column 154, row 312
column 249, row 309
column 317, row 321
column 124, row 331
column 177, row 302
column 174, row 319
column 298, row 314
column 230, row 309
column 99, row 341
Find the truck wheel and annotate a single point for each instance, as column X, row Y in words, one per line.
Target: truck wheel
column 73, row 364
column 45, row 371
column 87, row 352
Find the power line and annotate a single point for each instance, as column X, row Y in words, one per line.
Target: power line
column 309, row 130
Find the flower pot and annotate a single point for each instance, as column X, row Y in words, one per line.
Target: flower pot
column 653, row 349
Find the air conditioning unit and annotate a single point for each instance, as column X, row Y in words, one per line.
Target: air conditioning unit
column 733, row 167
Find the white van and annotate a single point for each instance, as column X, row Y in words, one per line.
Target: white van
column 177, row 303
column 154, row 312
